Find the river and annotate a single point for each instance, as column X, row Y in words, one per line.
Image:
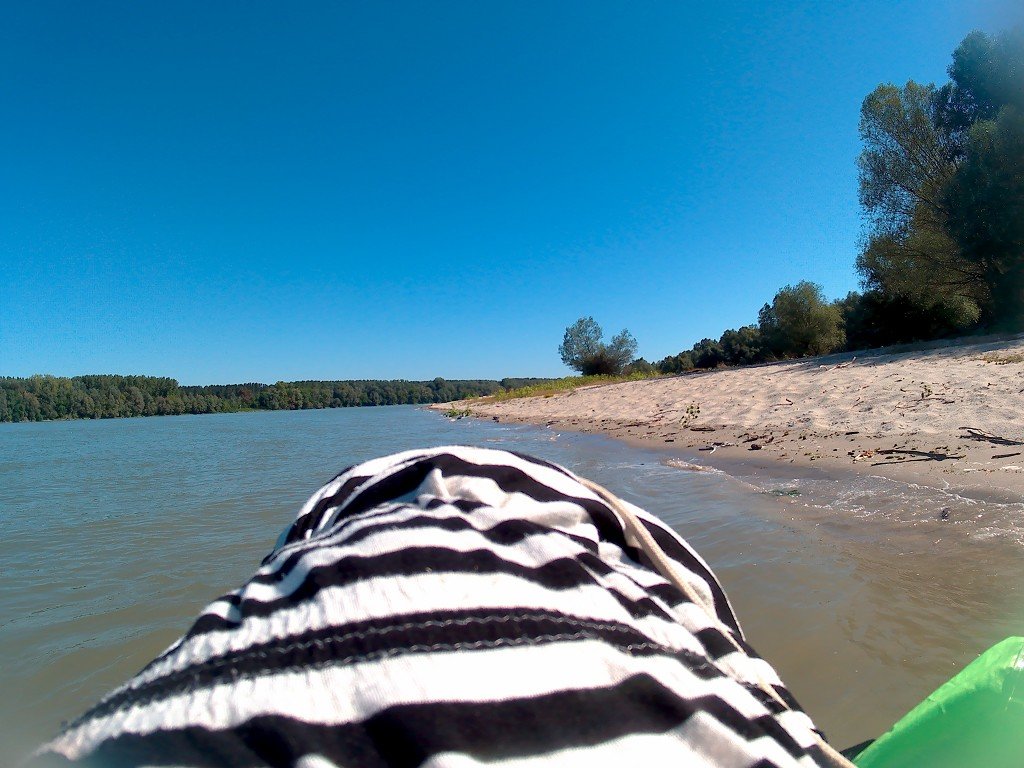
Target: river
column 116, row 533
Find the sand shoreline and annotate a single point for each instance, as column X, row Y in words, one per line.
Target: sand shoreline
column 890, row 557
column 947, row 417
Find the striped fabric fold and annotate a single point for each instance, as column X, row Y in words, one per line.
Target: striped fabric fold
column 455, row 606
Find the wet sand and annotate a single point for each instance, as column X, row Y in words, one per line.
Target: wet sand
column 946, row 417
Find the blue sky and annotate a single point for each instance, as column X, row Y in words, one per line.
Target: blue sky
column 227, row 192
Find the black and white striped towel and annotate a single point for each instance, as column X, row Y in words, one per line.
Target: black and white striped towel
column 453, row 607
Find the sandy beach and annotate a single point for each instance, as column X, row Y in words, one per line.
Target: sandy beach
column 887, row 466
column 946, row 415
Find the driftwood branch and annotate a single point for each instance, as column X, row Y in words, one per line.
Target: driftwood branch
column 921, row 456
column 847, row 364
column 987, row 437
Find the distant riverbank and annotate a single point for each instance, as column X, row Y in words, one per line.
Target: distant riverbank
column 53, row 398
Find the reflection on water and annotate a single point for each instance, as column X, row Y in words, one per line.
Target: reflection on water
column 117, row 532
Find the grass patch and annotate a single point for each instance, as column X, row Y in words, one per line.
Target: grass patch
column 1002, row 358
column 782, row 492
column 692, row 412
column 559, row 386
column 458, row 413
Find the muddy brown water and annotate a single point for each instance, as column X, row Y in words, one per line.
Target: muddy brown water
column 116, row 533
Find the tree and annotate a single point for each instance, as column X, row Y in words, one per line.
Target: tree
column 941, row 182
column 983, row 107
column 985, row 76
column 621, row 350
column 581, row 342
column 707, row 353
column 906, row 158
column 675, row 363
column 876, row 319
column 583, row 350
column 743, row 346
column 641, row 366
column 905, row 168
column 986, row 201
column 800, row 322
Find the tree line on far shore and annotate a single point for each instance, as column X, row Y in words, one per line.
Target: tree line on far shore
column 41, row 398
column 941, row 183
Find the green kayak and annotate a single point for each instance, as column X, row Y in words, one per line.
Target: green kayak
column 976, row 718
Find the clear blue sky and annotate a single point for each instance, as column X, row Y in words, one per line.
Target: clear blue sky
column 238, row 191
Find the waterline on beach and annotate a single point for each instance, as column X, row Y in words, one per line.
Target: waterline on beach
column 844, row 496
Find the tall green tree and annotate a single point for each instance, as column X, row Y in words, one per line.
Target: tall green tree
column 582, row 349
column 983, row 109
column 676, row 363
column 986, row 202
column 743, row 346
column 874, row 319
column 985, row 76
column 580, row 343
column 905, row 169
column 707, row 353
column 800, row 322
column 940, row 183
